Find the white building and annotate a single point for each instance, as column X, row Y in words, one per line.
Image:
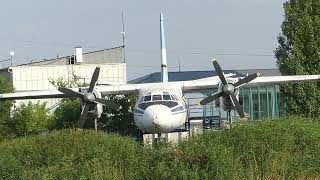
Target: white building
column 37, row 75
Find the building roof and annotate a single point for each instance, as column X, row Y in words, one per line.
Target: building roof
column 193, row 75
column 110, row 55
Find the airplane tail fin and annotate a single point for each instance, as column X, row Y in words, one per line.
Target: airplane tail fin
column 164, row 68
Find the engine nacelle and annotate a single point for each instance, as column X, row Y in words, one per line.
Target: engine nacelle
column 96, row 109
column 225, row 102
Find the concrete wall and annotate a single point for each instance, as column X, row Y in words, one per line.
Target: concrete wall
column 28, row 78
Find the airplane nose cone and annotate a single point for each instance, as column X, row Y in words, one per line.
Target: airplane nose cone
column 157, row 117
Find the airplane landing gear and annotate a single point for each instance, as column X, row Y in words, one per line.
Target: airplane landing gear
column 158, row 141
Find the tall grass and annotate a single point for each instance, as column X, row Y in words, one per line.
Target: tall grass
column 286, row 148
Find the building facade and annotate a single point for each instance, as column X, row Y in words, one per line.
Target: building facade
column 39, row 75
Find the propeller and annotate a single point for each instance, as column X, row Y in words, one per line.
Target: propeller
column 89, row 98
column 228, row 89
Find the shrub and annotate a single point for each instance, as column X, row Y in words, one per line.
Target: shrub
column 29, row 118
column 279, row 149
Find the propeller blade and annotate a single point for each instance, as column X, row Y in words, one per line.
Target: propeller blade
column 83, row 116
column 108, row 103
column 237, row 105
column 70, row 92
column 94, row 79
column 246, row 79
column 211, row 98
column 219, row 72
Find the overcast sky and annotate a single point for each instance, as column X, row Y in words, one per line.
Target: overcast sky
column 241, row 34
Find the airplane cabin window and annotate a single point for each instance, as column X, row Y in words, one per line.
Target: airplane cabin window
column 147, row 98
column 157, row 97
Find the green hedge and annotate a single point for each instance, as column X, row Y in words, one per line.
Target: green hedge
column 287, row 149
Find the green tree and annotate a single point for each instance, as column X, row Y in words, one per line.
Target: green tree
column 5, row 107
column 67, row 114
column 119, row 121
column 73, row 82
column 30, row 118
column 298, row 53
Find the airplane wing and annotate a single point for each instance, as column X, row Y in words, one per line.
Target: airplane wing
column 193, row 85
column 115, row 89
column 186, row 86
column 120, row 89
column 32, row 95
column 111, row 89
column 283, row 79
column 104, row 89
column 198, row 85
column 205, row 84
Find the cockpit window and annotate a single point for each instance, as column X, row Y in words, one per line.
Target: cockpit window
column 174, row 97
column 169, row 104
column 157, row 97
column 147, row 98
column 166, row 96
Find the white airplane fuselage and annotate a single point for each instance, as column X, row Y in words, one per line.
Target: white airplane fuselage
column 160, row 110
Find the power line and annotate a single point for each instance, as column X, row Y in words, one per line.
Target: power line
column 145, row 52
column 5, row 60
column 54, row 43
column 148, row 51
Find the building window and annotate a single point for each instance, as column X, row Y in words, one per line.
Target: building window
column 72, row 60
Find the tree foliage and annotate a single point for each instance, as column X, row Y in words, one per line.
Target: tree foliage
column 73, row 82
column 119, row 121
column 298, row 53
column 66, row 115
column 30, row 118
column 5, row 107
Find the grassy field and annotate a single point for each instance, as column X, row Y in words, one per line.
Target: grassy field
column 280, row 149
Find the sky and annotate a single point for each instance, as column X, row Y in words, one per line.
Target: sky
column 240, row 34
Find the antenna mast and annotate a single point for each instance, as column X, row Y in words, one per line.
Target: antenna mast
column 123, row 38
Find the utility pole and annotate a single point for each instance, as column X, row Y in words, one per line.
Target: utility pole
column 179, row 64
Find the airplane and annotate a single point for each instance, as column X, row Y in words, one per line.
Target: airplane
column 161, row 107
